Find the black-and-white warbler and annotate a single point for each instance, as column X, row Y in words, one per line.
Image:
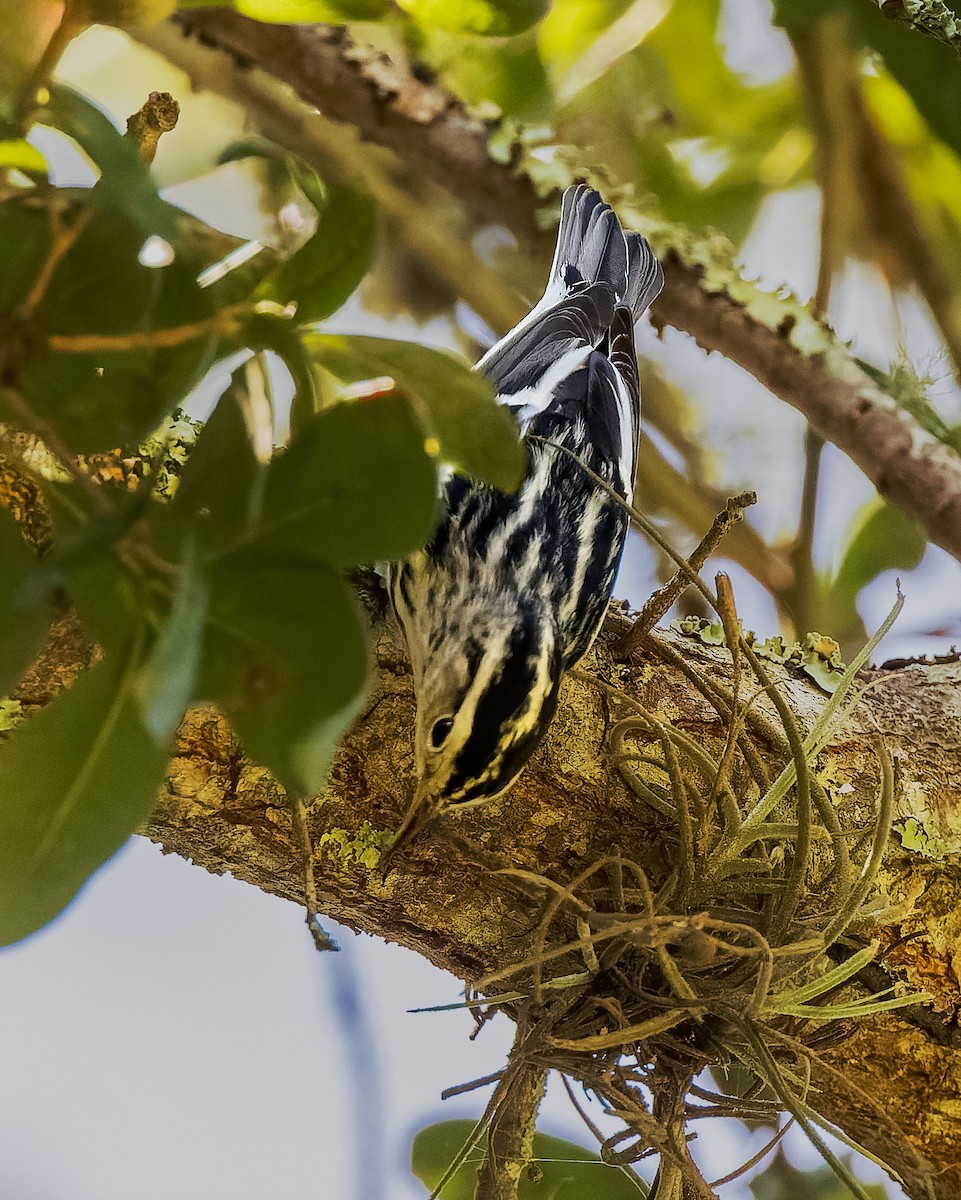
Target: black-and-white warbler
column 512, row 589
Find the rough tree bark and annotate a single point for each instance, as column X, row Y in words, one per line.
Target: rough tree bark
column 447, row 902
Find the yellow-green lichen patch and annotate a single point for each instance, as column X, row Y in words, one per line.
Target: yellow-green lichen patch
column 818, row 655
column 11, row 714
column 925, row 841
column 165, row 451
column 363, row 845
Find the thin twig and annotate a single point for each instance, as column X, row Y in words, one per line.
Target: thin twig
column 298, row 816
column 661, row 600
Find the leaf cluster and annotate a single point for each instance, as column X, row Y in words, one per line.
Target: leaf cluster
column 207, row 568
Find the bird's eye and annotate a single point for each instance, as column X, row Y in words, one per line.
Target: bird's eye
column 438, row 735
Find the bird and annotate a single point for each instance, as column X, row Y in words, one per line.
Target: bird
column 512, row 588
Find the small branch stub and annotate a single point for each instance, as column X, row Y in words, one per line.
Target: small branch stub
column 158, row 115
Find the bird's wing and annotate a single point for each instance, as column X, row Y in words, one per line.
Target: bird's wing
column 527, row 364
column 595, row 409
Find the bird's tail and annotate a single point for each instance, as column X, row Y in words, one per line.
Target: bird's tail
column 592, row 248
column 644, row 275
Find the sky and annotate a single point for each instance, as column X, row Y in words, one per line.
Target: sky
column 174, row 1034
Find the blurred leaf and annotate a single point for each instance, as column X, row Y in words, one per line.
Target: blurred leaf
column 565, row 1171
column 354, row 487
column 93, row 407
column 571, row 25
column 328, row 267
column 285, row 659
column 307, row 12
column 884, row 538
column 28, row 26
column 17, row 153
column 509, row 74
column 598, row 55
column 300, row 172
column 493, row 18
column 928, row 70
column 101, row 286
column 124, row 182
column 23, row 617
column 99, row 400
column 75, row 780
column 165, row 685
column 710, row 144
column 474, row 433
column 783, row 1181
column 279, row 334
column 727, row 141
column 25, row 242
column 106, row 599
column 104, row 593
column 220, row 482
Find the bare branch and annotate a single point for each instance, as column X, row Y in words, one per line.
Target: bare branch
column 907, row 465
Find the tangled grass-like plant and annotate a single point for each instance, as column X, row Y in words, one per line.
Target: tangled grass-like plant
column 722, row 962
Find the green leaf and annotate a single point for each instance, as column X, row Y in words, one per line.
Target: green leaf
column 328, row 267
column 165, row 685
column 101, row 399
column 18, row 154
column 884, row 538
column 102, row 287
column 23, row 617
column 106, row 596
column 564, row 1171
column 355, row 486
column 306, row 12
column 75, row 780
column 95, row 408
column 106, row 599
column 492, row 18
column 474, row 433
column 509, row 74
column 285, row 659
column 125, row 182
column 220, row 483
column 25, row 242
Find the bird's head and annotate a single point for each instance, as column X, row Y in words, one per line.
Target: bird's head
column 485, row 697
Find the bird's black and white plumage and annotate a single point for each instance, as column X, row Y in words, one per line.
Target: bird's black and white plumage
column 513, row 588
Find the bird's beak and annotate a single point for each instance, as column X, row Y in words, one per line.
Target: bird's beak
column 421, row 811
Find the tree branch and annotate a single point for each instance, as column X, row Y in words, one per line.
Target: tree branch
column 933, row 17
column 773, row 337
column 907, row 465
column 449, row 902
